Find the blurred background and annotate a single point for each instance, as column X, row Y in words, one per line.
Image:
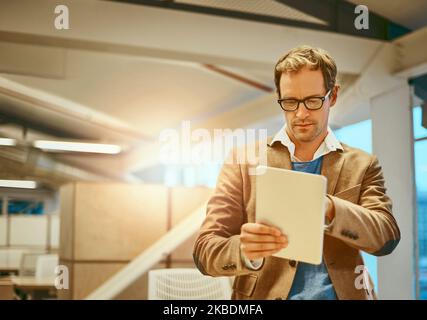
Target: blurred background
column 87, row 87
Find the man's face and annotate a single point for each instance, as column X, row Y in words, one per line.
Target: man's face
column 306, row 125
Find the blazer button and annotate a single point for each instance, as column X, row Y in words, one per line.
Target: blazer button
column 292, row 263
column 278, row 298
column 226, row 267
column 232, row 266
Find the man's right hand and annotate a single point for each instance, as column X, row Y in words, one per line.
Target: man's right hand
column 259, row 240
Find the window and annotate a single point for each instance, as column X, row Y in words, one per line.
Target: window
column 359, row 135
column 420, row 154
column 25, row 207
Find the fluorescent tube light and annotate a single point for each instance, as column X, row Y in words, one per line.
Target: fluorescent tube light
column 7, row 142
column 77, row 146
column 25, row 184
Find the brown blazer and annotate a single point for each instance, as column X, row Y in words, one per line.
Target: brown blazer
column 363, row 221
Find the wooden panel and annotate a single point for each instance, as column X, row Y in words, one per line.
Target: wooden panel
column 89, row 276
column 67, row 294
column 185, row 250
column 66, row 213
column 117, row 221
column 185, row 200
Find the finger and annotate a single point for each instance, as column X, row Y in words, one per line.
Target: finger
column 275, row 229
column 256, row 246
column 252, row 237
column 259, row 228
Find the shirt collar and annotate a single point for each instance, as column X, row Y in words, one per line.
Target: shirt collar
column 329, row 144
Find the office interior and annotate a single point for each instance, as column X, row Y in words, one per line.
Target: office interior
column 88, row 208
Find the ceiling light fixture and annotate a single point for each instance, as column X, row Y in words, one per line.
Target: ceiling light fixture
column 47, row 145
column 7, row 142
column 25, row 184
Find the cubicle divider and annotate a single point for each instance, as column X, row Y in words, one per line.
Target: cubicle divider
column 104, row 226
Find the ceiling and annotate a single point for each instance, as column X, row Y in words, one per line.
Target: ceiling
column 142, row 69
column 147, row 94
column 260, row 7
column 411, row 13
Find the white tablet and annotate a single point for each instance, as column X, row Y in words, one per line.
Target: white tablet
column 294, row 202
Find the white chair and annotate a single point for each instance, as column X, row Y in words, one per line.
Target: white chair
column 45, row 266
column 28, row 264
column 15, row 256
column 186, row 284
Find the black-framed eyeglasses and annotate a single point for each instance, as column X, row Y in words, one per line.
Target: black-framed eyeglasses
column 311, row 103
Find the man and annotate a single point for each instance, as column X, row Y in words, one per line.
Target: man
column 358, row 216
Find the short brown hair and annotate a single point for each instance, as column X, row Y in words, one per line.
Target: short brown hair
column 307, row 56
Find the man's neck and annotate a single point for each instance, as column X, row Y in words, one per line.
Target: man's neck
column 304, row 151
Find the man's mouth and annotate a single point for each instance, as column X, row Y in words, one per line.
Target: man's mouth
column 303, row 125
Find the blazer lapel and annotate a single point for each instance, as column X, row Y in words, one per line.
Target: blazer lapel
column 278, row 156
column 331, row 168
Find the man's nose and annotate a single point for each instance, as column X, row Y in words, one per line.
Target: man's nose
column 302, row 111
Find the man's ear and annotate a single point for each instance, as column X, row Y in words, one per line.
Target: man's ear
column 334, row 95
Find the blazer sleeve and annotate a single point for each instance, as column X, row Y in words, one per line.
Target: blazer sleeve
column 217, row 247
column 368, row 225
